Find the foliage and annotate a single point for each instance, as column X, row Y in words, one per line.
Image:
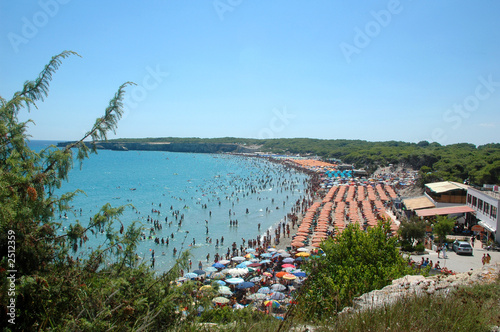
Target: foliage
column 106, row 289
column 226, row 315
column 420, row 247
column 355, row 262
column 443, row 226
column 412, row 231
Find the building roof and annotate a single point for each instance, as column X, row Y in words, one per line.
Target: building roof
column 422, row 202
column 445, row 186
column 444, row 211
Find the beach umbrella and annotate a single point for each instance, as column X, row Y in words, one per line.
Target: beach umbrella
column 221, row 283
column 266, row 255
column 267, row 274
column 199, row 272
column 271, row 249
column 238, row 259
column 288, row 265
column 265, row 261
column 299, row 259
column 257, row 296
column 272, row 303
column 254, row 265
column 205, row 287
column 249, row 256
column 220, row 300
column 265, row 290
column 285, row 254
column 299, row 274
column 245, row 285
column 288, row 260
column 181, row 279
column 256, row 279
column 234, row 281
column 242, row 265
column 249, row 250
column 224, row 290
column 218, row 275
column 289, row 276
column 278, row 287
column 280, row 274
column 303, row 254
column 281, row 251
column 303, row 249
column 218, row 265
column 238, row 272
column 278, row 296
column 210, row 269
column 191, row 275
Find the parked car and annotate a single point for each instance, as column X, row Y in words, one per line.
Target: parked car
column 462, row 247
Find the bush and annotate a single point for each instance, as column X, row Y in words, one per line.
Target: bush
column 406, row 246
column 420, row 247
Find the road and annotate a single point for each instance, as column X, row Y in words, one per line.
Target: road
column 461, row 263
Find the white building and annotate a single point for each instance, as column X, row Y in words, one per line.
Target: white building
column 486, row 205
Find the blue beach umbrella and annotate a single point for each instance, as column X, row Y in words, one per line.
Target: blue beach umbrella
column 299, row 274
column 235, row 281
column 265, row 290
column 221, row 283
column 210, row 269
column 218, row 265
column 265, row 261
column 190, row 275
column 267, row 255
column 245, row 285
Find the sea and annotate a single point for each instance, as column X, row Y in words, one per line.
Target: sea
column 209, row 192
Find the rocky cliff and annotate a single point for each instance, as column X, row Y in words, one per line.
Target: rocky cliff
column 173, row 147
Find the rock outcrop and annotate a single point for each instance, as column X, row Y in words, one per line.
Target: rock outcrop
column 173, row 147
column 419, row 285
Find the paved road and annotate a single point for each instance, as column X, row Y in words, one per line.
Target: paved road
column 461, row 263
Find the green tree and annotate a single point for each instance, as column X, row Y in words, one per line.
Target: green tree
column 106, row 290
column 443, row 226
column 354, row 262
column 412, row 231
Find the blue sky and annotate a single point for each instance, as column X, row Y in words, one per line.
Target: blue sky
column 372, row 70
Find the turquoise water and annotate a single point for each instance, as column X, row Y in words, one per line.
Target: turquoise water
column 184, row 182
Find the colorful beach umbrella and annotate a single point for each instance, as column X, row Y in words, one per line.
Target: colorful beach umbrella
column 272, row 303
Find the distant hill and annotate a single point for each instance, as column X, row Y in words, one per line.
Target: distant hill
column 457, row 162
